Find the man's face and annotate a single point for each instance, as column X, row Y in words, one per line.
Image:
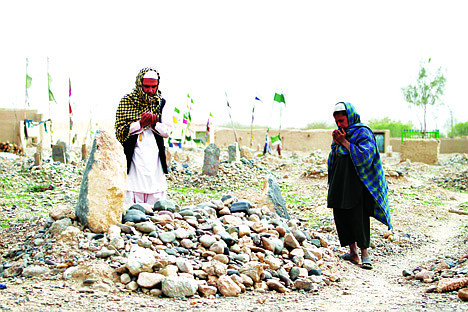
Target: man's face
column 341, row 121
column 150, row 86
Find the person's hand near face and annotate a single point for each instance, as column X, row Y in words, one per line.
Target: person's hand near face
column 339, row 135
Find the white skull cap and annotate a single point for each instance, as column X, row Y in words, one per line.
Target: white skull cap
column 151, row 75
column 339, row 107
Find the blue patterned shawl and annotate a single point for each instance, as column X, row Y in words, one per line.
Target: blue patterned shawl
column 366, row 159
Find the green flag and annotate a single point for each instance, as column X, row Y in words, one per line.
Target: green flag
column 275, row 139
column 176, row 110
column 28, row 81
column 51, row 95
column 279, row 98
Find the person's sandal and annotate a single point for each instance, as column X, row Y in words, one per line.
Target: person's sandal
column 366, row 263
column 347, row 257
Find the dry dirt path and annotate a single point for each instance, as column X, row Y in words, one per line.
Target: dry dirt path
column 385, row 288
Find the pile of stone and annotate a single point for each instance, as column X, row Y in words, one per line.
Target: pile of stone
column 443, row 274
column 457, row 177
column 224, row 246
column 458, row 180
column 7, row 147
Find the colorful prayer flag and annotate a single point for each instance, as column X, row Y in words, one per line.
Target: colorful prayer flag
column 51, row 97
column 279, row 98
column 275, row 138
column 49, row 82
column 227, row 102
column 70, row 112
column 176, row 110
column 174, row 119
column 28, row 81
column 184, row 121
column 69, row 87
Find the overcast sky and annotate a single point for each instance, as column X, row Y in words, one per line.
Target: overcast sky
column 315, row 52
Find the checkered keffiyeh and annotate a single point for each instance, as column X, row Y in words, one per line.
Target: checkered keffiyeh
column 133, row 104
column 366, row 159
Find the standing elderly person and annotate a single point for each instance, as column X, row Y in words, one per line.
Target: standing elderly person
column 357, row 185
column 139, row 128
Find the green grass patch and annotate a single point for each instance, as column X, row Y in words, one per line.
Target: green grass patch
column 40, row 187
column 463, row 206
column 318, row 221
column 433, row 203
column 4, row 225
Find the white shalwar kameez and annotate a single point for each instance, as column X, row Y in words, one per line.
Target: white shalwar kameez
column 146, row 182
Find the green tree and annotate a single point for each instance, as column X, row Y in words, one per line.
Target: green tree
column 427, row 91
column 386, row 123
column 460, row 129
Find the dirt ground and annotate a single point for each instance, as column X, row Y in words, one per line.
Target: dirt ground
column 420, row 197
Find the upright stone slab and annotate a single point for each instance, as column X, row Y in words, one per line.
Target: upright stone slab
column 272, row 197
column 65, row 150
column 84, row 152
column 211, row 160
column 58, row 153
column 103, row 187
column 37, row 159
column 233, row 152
column 246, row 152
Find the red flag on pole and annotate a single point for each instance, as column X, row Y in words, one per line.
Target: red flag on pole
column 70, row 112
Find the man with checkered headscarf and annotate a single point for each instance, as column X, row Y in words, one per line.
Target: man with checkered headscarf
column 140, row 130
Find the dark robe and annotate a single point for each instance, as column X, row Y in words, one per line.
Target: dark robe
column 351, row 202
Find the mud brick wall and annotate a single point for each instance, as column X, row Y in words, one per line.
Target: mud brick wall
column 10, row 125
column 425, row 151
column 291, row 139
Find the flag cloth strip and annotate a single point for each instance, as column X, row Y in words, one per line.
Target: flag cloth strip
column 275, row 138
column 279, row 98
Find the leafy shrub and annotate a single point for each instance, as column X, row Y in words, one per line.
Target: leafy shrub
column 386, row 123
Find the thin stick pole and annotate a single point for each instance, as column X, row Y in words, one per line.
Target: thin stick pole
column 48, row 99
column 232, row 123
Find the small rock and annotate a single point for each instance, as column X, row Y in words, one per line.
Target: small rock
column 276, row 285
column 207, row 240
column 179, row 287
column 463, row 294
column 206, row 290
column 149, row 280
column 227, row 287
